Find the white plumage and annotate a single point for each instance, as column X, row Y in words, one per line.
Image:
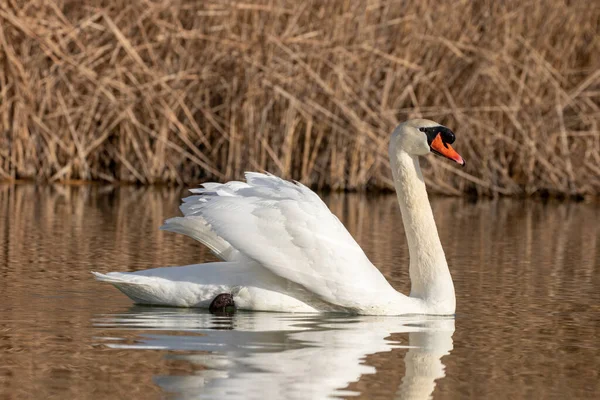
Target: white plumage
column 285, row 251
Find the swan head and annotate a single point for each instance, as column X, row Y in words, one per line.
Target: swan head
column 422, row 136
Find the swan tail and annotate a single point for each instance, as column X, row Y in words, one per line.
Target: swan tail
column 198, row 229
column 137, row 290
column 253, row 287
column 157, row 290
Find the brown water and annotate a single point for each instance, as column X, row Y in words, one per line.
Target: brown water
column 527, row 322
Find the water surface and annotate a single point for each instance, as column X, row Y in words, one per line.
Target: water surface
column 527, row 322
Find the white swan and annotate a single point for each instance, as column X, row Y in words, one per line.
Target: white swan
column 283, row 250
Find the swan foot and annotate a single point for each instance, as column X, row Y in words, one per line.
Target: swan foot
column 223, row 304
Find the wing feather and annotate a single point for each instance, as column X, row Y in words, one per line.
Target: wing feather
column 289, row 230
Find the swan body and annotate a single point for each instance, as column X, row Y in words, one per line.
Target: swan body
column 283, row 249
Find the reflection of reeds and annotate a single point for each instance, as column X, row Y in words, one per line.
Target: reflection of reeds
column 526, row 277
column 172, row 92
column 51, row 238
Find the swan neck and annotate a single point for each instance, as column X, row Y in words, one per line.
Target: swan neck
column 429, row 274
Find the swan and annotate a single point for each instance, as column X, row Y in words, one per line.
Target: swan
column 283, row 249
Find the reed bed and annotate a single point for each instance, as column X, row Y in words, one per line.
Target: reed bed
column 184, row 91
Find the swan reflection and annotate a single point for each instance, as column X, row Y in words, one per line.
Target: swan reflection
column 272, row 355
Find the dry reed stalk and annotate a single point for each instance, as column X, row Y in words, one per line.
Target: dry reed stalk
column 178, row 91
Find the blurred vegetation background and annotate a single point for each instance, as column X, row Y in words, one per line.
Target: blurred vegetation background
column 184, row 91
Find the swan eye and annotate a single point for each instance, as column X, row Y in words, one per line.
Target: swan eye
column 448, row 136
column 423, row 129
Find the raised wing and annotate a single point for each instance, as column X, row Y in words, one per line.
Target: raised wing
column 288, row 229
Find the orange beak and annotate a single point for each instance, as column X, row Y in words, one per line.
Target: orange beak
column 444, row 149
